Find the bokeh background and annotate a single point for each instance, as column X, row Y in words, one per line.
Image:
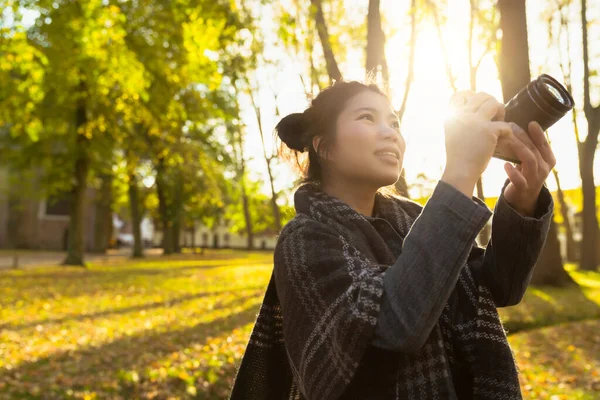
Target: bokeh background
column 141, row 192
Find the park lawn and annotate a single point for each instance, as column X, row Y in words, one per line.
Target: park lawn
column 544, row 306
column 560, row 362
column 179, row 325
column 130, row 330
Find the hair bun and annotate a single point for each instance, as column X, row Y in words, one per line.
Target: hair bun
column 291, row 131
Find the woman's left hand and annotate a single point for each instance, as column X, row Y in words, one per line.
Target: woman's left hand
column 527, row 178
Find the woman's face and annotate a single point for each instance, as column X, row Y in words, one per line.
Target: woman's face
column 368, row 146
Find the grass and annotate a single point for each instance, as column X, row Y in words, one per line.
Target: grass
column 560, row 362
column 176, row 328
column 545, row 306
column 131, row 330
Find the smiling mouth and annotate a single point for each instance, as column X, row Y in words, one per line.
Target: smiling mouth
column 388, row 154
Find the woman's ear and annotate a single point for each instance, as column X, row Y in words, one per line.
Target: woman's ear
column 315, row 143
column 322, row 153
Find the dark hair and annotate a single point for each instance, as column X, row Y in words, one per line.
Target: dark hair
column 297, row 130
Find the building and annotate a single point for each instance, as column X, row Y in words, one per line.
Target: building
column 220, row 236
column 42, row 224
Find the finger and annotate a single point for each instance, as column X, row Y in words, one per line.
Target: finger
column 526, row 139
column 501, row 114
column 515, row 176
column 459, row 99
column 491, row 109
column 536, row 133
column 519, row 167
column 503, row 129
column 475, row 101
column 524, row 154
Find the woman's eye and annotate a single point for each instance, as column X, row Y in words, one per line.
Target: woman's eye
column 395, row 125
column 368, row 117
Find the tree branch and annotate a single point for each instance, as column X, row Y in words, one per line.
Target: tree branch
column 411, row 58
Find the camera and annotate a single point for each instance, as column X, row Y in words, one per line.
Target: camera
column 543, row 100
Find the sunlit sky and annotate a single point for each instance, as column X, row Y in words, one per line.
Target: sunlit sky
column 422, row 124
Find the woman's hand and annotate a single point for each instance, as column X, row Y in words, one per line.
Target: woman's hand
column 472, row 133
column 527, row 178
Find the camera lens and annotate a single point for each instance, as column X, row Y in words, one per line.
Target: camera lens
column 543, row 100
column 555, row 92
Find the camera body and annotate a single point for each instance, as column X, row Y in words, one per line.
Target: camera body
column 543, row 100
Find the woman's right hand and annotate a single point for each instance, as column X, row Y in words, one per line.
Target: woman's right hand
column 472, row 133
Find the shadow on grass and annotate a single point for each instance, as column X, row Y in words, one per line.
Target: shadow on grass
column 98, row 368
column 545, row 306
column 567, row 353
column 255, row 291
column 73, row 283
column 75, row 273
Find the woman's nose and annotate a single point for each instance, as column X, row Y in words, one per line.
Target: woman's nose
column 389, row 132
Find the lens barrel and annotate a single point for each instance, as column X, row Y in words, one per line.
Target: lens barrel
column 543, row 100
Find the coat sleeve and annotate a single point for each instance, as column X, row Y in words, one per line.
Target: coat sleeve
column 514, row 248
column 419, row 284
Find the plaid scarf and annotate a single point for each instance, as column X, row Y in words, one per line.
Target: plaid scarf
column 329, row 266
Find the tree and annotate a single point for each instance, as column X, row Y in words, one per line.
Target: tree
column 587, row 152
column 179, row 112
column 104, row 212
column 375, row 49
column 332, row 67
column 79, row 76
column 134, row 206
column 269, row 158
column 252, row 91
column 237, row 142
column 513, row 62
column 563, row 7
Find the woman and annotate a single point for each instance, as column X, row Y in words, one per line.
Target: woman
column 375, row 297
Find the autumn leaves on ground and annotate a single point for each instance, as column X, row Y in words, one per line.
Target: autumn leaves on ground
column 176, row 328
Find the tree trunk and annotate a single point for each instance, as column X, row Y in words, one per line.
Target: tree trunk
column 76, row 241
column 76, row 244
column 314, row 74
column 564, row 210
column 177, row 212
column 247, row 215
column 514, row 48
column 411, row 58
column 589, row 243
column 586, row 247
column 513, row 65
column 164, row 209
column 103, row 215
column 332, row 67
column 276, row 212
column 375, row 40
column 14, row 221
column 552, row 273
column 134, row 207
column 549, row 268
